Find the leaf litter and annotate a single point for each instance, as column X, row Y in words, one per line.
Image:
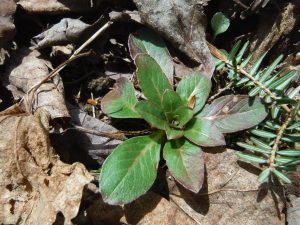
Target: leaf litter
column 36, row 183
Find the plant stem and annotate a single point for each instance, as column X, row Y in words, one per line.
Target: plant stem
column 220, row 91
column 277, row 142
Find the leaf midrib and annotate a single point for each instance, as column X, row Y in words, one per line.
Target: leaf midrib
column 218, row 116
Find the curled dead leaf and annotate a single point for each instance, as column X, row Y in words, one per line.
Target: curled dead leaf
column 34, row 183
column 7, row 27
column 26, row 70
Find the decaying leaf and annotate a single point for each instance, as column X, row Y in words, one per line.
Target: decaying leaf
column 26, row 70
column 66, row 31
column 35, row 184
column 89, row 149
column 7, row 27
column 273, row 27
column 181, row 22
column 58, row 6
column 254, row 7
column 230, row 194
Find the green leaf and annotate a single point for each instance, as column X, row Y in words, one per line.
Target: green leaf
column 263, row 133
column 265, row 75
column 185, row 162
column 260, row 143
column 196, row 85
column 287, row 161
column 152, row 113
column 203, row 132
column 264, row 175
column 242, row 52
column 131, row 169
column 294, row 125
column 282, row 176
column 294, row 92
column 175, row 110
column 275, row 111
column 219, row 23
column 282, row 82
column 257, row 64
column 253, row 148
column 289, row 152
column 234, row 50
column 295, row 137
column 148, row 42
column 232, row 113
column 271, row 125
column 152, row 80
column 173, row 133
column 251, row 158
column 287, row 101
column 120, row 102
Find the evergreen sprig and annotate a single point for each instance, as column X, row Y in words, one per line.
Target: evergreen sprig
column 272, row 143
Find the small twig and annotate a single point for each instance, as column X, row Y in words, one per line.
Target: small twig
column 277, row 142
column 228, row 189
column 92, row 38
column 220, row 190
column 119, row 135
column 220, row 91
column 93, row 107
column 72, row 58
column 241, row 4
column 51, row 75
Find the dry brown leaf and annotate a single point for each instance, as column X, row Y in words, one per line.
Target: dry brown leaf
column 35, row 184
column 26, row 70
column 273, row 27
column 241, row 204
column 58, row 6
column 182, row 23
column 7, row 27
column 66, row 31
column 152, row 209
column 89, row 149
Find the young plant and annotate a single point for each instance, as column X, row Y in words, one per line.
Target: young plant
column 219, row 24
column 182, row 123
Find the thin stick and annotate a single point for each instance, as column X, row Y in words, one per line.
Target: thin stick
column 277, row 142
column 72, row 58
column 92, row 38
column 220, row 91
column 221, row 190
column 241, row 4
column 119, row 135
column 93, row 107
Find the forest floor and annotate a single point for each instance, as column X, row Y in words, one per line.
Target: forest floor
column 58, row 61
